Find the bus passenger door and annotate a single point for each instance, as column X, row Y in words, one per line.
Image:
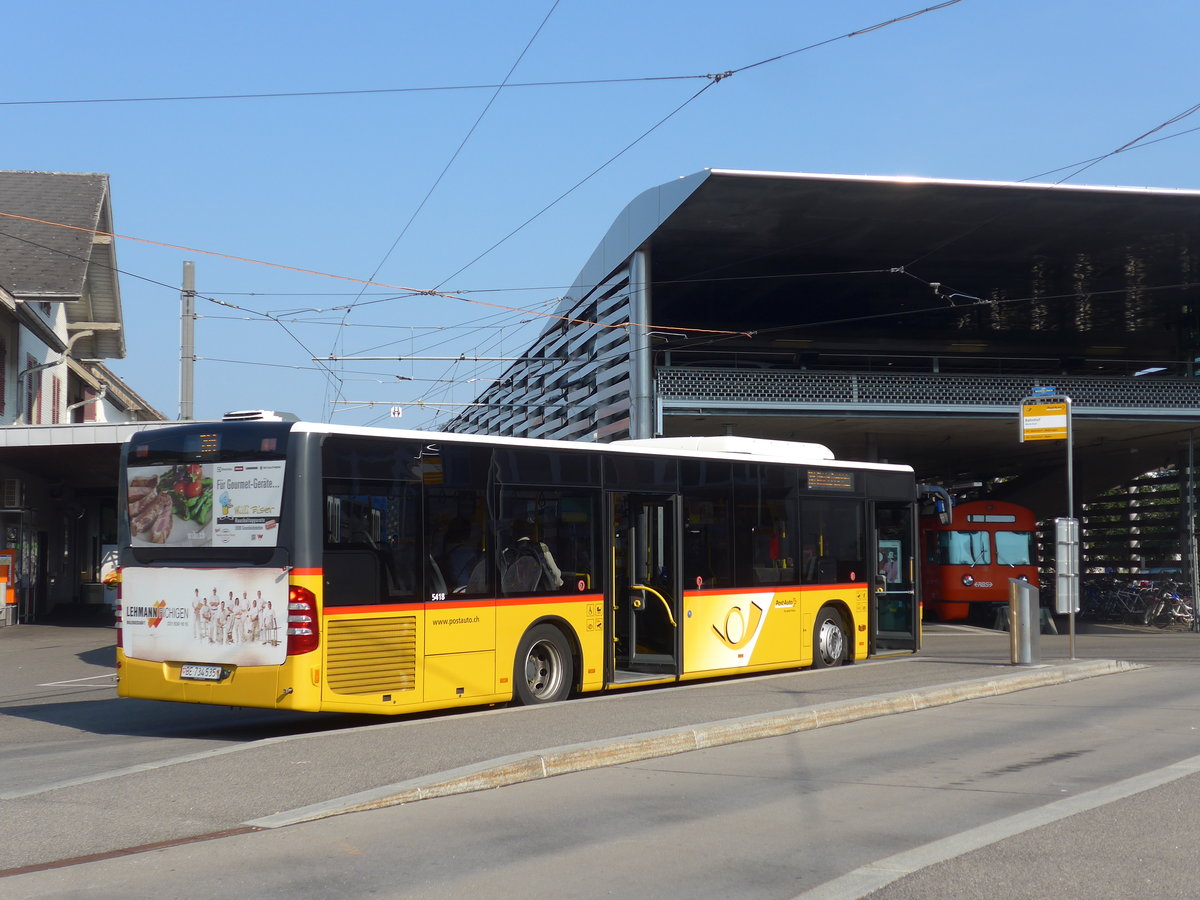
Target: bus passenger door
column 895, row 613
column 644, row 591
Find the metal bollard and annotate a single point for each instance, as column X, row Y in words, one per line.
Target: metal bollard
column 1024, row 623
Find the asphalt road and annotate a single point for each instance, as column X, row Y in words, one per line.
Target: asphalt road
column 84, row 773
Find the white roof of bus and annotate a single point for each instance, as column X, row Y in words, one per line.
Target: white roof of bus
column 721, row 447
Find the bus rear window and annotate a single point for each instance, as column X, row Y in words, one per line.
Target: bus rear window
column 206, row 486
column 211, row 444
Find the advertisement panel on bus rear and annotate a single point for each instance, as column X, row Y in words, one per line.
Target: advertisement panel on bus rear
column 236, row 616
column 205, row 504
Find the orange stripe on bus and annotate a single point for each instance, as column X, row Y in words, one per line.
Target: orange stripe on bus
column 373, row 608
column 776, row 589
column 552, row 598
column 448, row 605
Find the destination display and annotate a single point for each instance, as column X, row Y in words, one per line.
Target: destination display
column 829, row 480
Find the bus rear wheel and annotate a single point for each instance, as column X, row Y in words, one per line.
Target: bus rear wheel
column 544, row 670
column 830, row 643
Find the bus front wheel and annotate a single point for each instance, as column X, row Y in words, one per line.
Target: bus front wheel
column 543, row 670
column 830, row 644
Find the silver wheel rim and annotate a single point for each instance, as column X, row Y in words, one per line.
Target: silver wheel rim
column 831, row 642
column 543, row 670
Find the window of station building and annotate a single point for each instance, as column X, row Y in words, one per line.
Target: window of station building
column 372, row 521
column 765, row 527
column 707, row 540
column 832, row 542
column 458, row 531
column 547, row 540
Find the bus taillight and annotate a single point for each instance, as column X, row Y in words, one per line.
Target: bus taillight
column 302, row 631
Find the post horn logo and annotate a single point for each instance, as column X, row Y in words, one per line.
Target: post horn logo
column 738, row 632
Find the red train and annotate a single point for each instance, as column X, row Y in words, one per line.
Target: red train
column 967, row 564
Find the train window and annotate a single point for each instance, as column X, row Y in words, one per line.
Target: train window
column 963, row 548
column 1014, row 548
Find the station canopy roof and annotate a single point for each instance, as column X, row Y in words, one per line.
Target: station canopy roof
column 868, row 273
column 1023, row 269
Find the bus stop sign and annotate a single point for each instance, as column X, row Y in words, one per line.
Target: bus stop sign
column 1045, row 419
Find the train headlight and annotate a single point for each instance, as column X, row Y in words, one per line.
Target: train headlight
column 968, row 580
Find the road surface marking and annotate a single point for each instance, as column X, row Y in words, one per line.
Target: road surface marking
column 872, row 877
column 77, row 680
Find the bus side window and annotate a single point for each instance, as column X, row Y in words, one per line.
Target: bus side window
column 457, row 527
column 547, row 540
column 826, row 570
column 707, row 488
column 765, row 506
column 352, row 576
column 835, row 531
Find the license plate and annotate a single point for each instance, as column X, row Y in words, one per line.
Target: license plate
column 193, row 672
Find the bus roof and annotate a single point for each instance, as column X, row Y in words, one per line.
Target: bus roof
column 728, row 447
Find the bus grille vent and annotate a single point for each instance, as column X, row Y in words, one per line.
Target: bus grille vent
column 370, row 656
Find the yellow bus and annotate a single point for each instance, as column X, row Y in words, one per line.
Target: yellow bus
column 289, row 565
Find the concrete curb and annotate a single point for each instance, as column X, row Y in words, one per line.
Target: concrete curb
column 649, row 745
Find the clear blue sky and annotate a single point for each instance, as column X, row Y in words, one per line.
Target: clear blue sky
column 983, row 89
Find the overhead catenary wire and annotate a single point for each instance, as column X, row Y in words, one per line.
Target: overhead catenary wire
column 429, row 292
column 275, row 95
column 1138, row 143
column 277, row 317
column 692, row 341
column 1077, row 169
column 943, row 308
column 147, row 279
column 715, row 79
column 711, row 78
column 449, row 163
column 280, row 95
column 462, row 144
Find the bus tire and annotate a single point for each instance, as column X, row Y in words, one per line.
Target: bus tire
column 543, row 671
column 830, row 643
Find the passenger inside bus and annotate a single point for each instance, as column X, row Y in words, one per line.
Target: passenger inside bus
column 459, row 555
column 527, row 564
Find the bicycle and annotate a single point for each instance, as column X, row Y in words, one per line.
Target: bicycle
column 1169, row 608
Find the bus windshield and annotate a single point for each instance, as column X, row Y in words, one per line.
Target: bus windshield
column 1014, row 548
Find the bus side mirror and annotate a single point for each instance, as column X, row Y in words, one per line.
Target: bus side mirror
column 943, row 506
column 943, row 513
